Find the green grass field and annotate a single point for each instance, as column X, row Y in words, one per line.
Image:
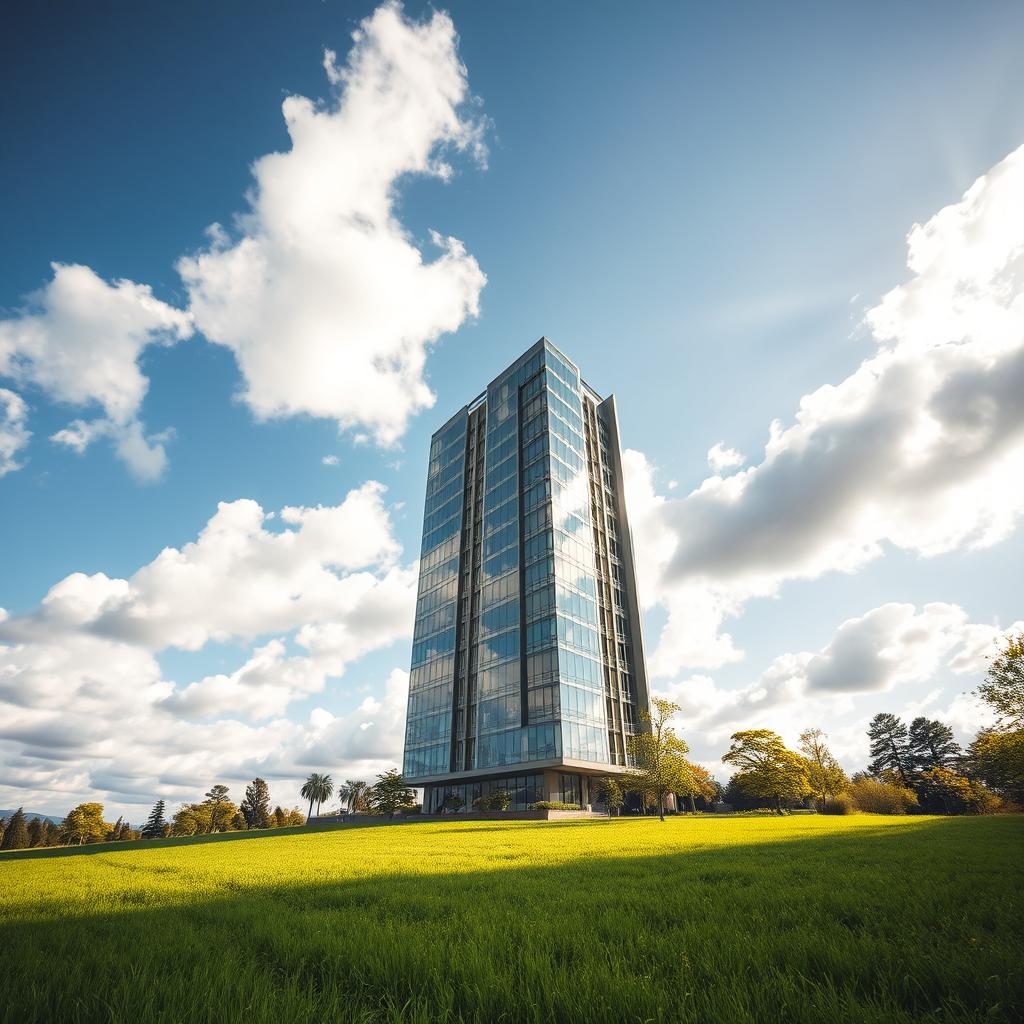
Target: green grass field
column 736, row 920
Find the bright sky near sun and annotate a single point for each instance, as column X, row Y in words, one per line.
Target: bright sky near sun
column 253, row 255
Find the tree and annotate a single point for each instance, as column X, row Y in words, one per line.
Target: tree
column 295, row 817
column 16, row 832
column 609, row 792
column 156, row 825
column 997, row 759
column 280, row 819
column 85, row 824
column 951, row 793
column 1003, row 689
column 697, row 783
column 316, row 790
column 391, row 793
column 767, row 769
column 825, row 776
column 932, row 745
column 658, row 755
column 255, row 807
column 889, row 747
column 36, row 833
column 355, row 794
column 217, row 798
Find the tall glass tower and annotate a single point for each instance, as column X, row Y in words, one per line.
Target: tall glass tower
column 527, row 660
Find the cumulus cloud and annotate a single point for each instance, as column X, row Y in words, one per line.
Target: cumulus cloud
column 721, row 458
column 867, row 666
column 330, row 460
column 325, row 299
column 922, row 447
column 85, row 708
column 79, row 341
column 14, row 434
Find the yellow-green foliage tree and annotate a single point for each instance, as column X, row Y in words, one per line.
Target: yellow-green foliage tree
column 767, row 768
column 85, row 824
column 945, row 790
column 1003, row 689
column 881, row 796
column 202, row 819
column 824, row 774
column 698, row 783
column 997, row 759
column 658, row 755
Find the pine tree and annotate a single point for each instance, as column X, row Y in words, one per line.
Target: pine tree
column 890, row 749
column 932, row 745
column 256, row 805
column 156, row 825
column 16, row 832
column 36, row 833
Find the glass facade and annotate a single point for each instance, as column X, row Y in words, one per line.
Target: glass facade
column 524, row 650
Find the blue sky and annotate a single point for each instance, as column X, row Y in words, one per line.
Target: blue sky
column 700, row 205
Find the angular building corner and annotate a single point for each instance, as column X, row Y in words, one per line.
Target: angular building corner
column 528, row 668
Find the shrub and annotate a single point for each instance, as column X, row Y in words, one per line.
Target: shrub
column 482, row 803
column 876, row 797
column 553, row 805
column 841, row 803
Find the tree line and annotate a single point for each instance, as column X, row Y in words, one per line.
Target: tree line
column 919, row 767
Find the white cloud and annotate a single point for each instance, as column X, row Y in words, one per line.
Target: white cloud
column 922, row 447
column 330, row 460
column 85, row 709
column 872, row 663
column 14, row 434
column 721, row 458
column 324, row 298
column 79, row 341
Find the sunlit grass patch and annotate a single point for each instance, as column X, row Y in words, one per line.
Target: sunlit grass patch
column 745, row 919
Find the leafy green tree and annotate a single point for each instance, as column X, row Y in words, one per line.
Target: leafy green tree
column 391, row 793
column 890, row 747
column 824, row 774
column 997, row 759
column 316, row 790
column 217, row 798
column 255, row 806
column 85, row 824
column 1003, row 689
column 767, row 768
column 16, row 832
column 609, row 792
column 36, row 833
column 156, row 825
column 658, row 755
column 932, row 745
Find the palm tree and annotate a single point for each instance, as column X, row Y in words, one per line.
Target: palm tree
column 317, row 789
column 356, row 790
column 343, row 796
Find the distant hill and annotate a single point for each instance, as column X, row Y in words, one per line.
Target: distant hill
column 29, row 815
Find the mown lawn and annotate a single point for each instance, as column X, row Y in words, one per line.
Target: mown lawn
column 734, row 920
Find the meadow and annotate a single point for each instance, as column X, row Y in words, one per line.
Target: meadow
column 797, row 919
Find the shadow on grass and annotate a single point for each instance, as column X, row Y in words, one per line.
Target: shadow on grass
column 879, row 924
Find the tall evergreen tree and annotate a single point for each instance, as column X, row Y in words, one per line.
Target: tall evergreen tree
column 16, row 832
column 890, row 750
column 36, row 833
column 256, row 806
column 156, row 824
column 932, row 745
